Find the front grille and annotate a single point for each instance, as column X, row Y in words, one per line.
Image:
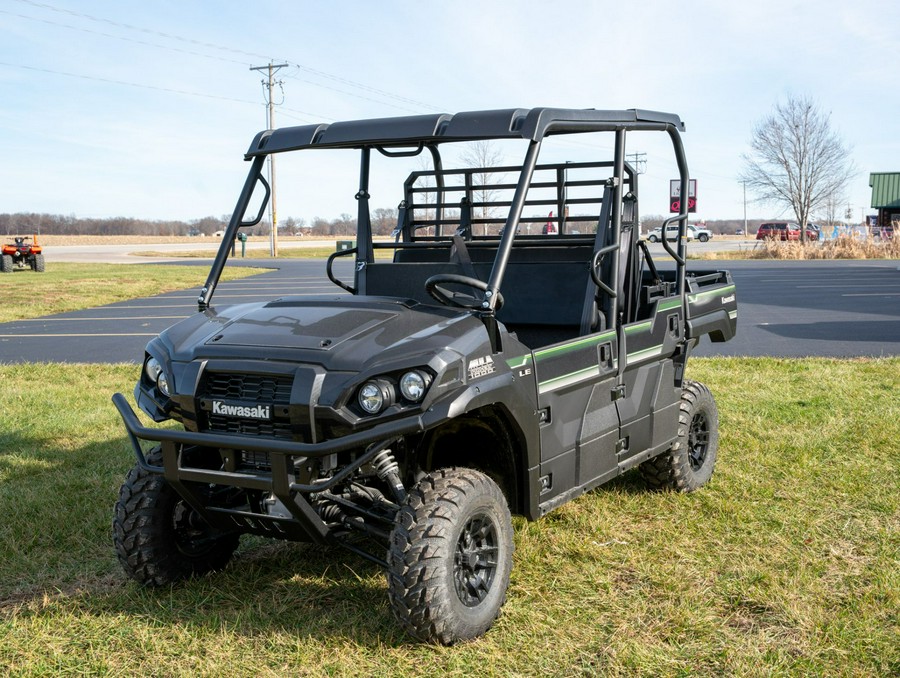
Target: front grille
column 250, row 427
column 273, row 390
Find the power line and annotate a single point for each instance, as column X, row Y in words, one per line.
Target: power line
column 119, row 37
column 640, row 161
column 113, row 81
column 232, row 50
column 131, row 27
column 358, row 96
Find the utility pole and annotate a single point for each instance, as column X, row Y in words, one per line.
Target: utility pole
column 746, row 231
column 273, row 212
column 639, row 161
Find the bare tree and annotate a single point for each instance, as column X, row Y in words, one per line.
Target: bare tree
column 797, row 160
column 482, row 155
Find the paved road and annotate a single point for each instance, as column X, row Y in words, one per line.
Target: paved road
column 822, row 308
column 124, row 254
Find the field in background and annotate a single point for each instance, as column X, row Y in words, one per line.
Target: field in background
column 86, row 240
column 785, row 564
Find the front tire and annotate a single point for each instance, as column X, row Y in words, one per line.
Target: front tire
column 703, row 238
column 6, row 264
column 688, row 464
column 652, row 238
column 39, row 265
column 450, row 556
column 159, row 538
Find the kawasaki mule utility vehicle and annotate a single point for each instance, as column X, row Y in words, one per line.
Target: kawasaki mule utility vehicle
column 472, row 365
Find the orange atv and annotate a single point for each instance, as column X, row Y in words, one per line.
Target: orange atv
column 21, row 254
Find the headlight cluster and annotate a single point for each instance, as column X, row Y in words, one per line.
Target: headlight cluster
column 377, row 394
column 157, row 375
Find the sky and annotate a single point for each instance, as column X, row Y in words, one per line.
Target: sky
column 145, row 109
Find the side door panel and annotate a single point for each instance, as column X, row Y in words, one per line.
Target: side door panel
column 580, row 424
column 648, row 412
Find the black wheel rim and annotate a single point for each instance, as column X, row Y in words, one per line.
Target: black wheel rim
column 193, row 535
column 475, row 560
column 698, row 440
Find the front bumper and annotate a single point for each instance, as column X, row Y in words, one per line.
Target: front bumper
column 304, row 523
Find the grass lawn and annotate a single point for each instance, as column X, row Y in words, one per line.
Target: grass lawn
column 786, row 563
column 70, row 287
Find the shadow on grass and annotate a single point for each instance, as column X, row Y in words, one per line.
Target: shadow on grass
column 59, row 512
column 63, row 500
column 297, row 589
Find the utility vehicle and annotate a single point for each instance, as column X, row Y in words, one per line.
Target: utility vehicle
column 21, row 254
column 455, row 377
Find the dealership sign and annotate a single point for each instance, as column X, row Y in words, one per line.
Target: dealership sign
column 675, row 195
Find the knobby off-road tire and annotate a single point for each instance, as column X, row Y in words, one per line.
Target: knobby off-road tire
column 689, row 463
column 159, row 539
column 39, row 265
column 450, row 556
column 6, row 264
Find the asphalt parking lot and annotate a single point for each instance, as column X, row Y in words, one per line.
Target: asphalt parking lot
column 786, row 308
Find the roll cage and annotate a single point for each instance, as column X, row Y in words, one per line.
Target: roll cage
column 411, row 135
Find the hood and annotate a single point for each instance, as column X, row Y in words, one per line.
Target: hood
column 343, row 332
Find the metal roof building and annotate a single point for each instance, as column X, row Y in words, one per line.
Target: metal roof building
column 886, row 196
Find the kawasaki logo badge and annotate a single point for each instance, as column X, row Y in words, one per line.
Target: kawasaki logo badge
column 254, row 412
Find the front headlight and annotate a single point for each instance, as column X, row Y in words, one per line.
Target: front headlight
column 157, row 375
column 413, row 385
column 374, row 396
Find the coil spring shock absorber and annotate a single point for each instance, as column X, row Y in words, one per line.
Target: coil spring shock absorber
column 388, row 470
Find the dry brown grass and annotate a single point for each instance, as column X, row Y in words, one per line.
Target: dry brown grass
column 839, row 248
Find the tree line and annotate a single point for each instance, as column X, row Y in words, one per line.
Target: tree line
column 384, row 220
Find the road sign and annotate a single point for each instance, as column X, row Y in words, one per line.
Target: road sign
column 675, row 195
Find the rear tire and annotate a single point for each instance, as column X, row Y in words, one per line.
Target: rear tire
column 159, row 538
column 6, row 264
column 688, row 464
column 450, row 556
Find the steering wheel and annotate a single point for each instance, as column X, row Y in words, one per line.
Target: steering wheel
column 456, row 299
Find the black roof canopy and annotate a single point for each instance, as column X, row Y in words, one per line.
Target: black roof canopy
column 514, row 123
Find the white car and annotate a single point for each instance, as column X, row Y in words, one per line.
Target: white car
column 671, row 234
column 693, row 233
column 700, row 233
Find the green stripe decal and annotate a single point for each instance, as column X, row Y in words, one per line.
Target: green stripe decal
column 631, row 329
column 666, row 305
column 646, row 353
column 519, row 361
column 522, row 360
column 718, row 290
column 593, row 370
column 568, row 379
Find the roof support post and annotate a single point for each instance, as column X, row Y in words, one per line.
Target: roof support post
column 509, row 229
